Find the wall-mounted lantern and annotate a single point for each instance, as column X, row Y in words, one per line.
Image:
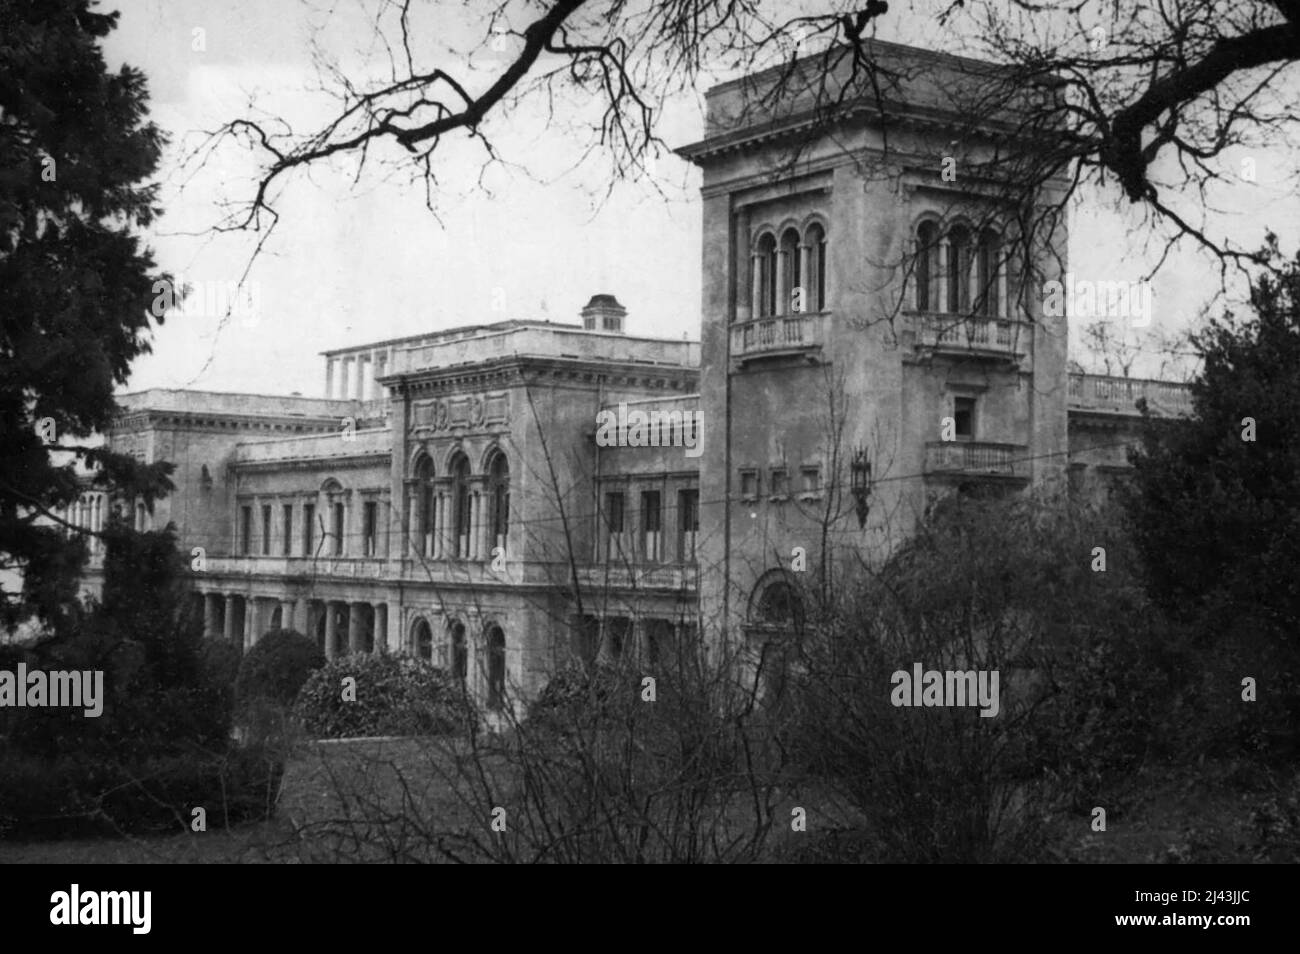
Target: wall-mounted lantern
column 860, row 484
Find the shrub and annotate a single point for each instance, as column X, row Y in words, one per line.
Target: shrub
column 395, row 695
column 276, row 668
column 1087, row 668
column 578, row 696
column 80, row 795
column 161, row 745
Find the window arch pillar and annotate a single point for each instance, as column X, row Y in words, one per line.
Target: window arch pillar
column 442, row 528
column 782, row 282
column 944, row 301
column 807, row 279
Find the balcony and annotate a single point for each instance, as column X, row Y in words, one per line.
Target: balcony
column 649, row 576
column 779, row 336
column 1099, row 392
column 972, row 336
column 348, row 568
column 976, row 459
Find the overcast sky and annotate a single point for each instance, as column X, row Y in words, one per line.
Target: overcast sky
column 356, row 262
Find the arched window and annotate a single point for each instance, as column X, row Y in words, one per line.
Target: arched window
column 815, row 280
column 959, row 269
column 777, row 617
column 765, row 277
column 496, row 668
column 422, row 640
column 926, row 265
column 460, row 498
column 988, row 265
column 499, row 496
column 779, row 605
column 459, row 652
column 425, row 511
column 790, row 287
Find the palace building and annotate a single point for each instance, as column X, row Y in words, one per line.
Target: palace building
column 447, row 495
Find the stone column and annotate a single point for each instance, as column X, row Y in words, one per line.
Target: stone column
column 329, row 377
column 382, row 643
column 807, row 295
column 475, row 518
column 286, row 615
column 298, row 616
column 228, row 622
column 331, row 629
column 410, row 528
column 942, row 303
column 209, row 615
column 782, row 282
column 486, row 540
column 354, row 627
column 756, row 287
column 378, row 365
column 443, row 530
column 1002, row 310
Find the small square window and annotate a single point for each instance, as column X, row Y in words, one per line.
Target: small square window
column 779, row 484
column 811, row 478
column 749, row 484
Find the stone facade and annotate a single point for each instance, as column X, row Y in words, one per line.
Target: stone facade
column 458, row 495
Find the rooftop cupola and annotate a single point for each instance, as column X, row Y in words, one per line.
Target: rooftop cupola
column 603, row 313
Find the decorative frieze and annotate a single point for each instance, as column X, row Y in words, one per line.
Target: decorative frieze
column 467, row 411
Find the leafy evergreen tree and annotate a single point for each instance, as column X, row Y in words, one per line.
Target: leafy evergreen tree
column 76, row 282
column 1216, row 497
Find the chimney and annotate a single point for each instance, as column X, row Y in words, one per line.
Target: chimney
column 603, row 313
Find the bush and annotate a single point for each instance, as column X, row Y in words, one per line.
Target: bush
column 576, row 696
column 78, row 795
column 395, row 695
column 1088, row 671
column 276, row 668
column 161, row 745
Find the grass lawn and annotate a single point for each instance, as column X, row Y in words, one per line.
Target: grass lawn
column 396, row 794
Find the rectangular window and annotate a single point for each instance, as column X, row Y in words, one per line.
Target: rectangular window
column 371, row 527
column 963, row 417
column 613, row 516
column 586, row 634
column 688, row 524
column 308, row 530
column 779, row 484
column 615, row 505
column 812, row 480
column 614, row 512
column 246, row 530
column 287, row 545
column 336, row 529
column 749, row 485
column 652, row 526
column 266, row 530
column 659, row 649
column 618, row 633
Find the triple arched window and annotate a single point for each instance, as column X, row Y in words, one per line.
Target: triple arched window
column 788, row 272
column 462, row 515
column 959, row 271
